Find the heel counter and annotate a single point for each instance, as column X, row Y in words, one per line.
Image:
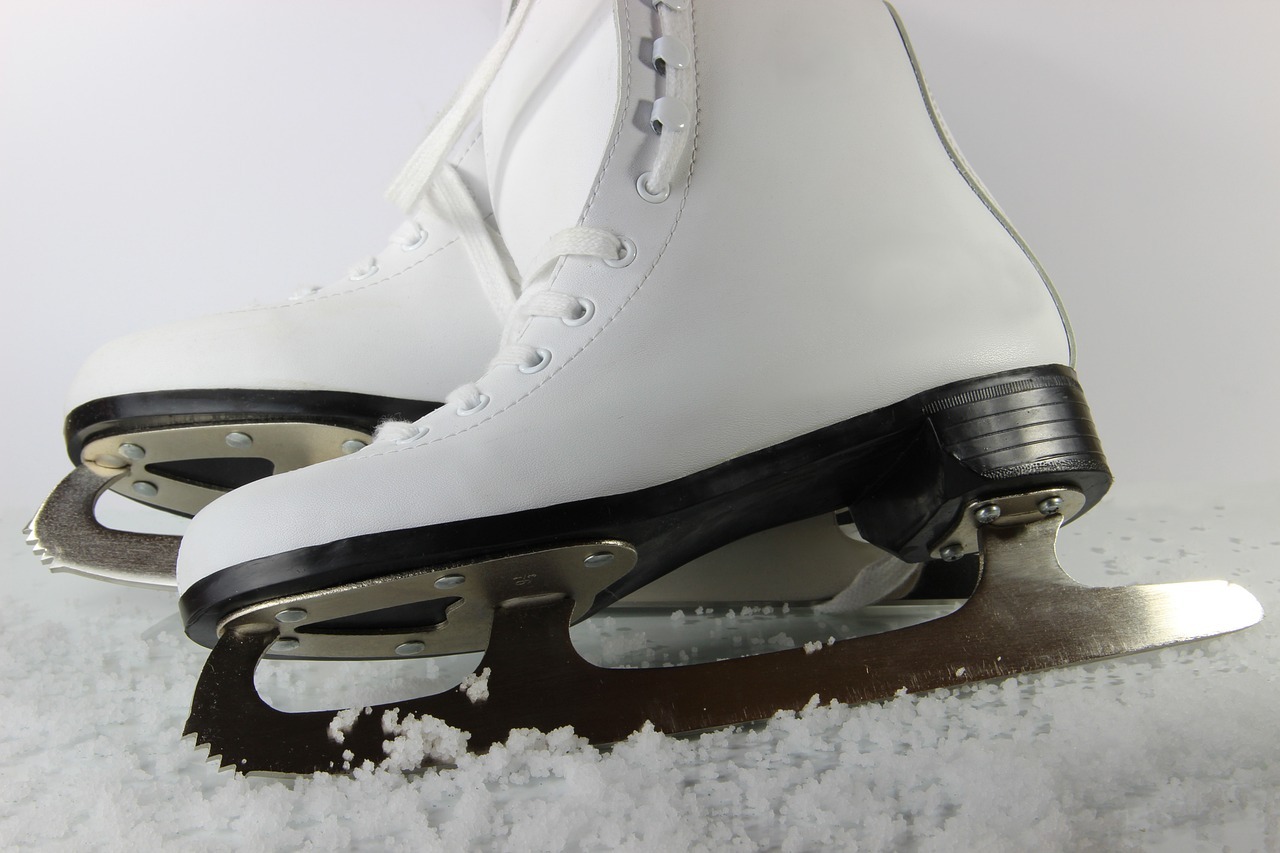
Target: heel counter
column 975, row 183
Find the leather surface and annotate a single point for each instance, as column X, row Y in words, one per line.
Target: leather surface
column 820, row 256
column 416, row 329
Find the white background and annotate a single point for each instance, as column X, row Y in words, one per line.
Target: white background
column 167, row 159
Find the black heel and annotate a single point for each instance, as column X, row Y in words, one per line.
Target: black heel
column 1011, row 432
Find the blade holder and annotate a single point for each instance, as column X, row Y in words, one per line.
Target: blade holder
column 469, row 592
column 135, row 460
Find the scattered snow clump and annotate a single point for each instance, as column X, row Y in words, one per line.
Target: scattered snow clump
column 476, row 686
column 342, row 722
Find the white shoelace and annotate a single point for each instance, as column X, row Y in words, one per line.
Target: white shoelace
column 449, row 197
column 452, row 201
column 427, row 181
column 538, row 301
column 535, row 299
column 883, row 578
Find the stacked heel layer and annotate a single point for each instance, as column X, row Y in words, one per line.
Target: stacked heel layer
column 1002, row 434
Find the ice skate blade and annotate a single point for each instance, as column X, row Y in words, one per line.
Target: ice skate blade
column 67, row 537
column 1026, row 614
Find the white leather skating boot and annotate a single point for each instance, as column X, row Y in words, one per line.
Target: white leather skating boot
column 175, row 416
column 762, row 285
column 743, row 320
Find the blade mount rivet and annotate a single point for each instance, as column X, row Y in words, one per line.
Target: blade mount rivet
column 132, row 452
column 986, row 513
column 351, row 445
column 449, row 581
column 292, row 614
column 239, row 440
column 146, row 488
column 285, row 644
column 411, row 648
column 598, row 559
column 1050, row 505
column 951, row 553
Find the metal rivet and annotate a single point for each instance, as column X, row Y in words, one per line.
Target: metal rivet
column 598, row 559
column 952, row 552
column 1050, row 506
column 450, row 581
column 146, row 489
column 986, row 513
column 239, row 440
column 110, row 460
column 293, row 614
column 131, row 451
column 285, row 644
column 351, row 445
column 413, row 647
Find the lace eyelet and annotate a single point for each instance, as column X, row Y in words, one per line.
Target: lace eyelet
column 363, row 274
column 653, row 198
column 483, row 401
column 588, row 311
column 417, row 243
column 419, row 432
column 628, row 255
column 544, row 358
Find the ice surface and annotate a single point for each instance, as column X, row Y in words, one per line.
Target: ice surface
column 1174, row 750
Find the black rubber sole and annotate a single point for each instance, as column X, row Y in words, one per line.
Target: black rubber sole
column 904, row 471
column 155, row 410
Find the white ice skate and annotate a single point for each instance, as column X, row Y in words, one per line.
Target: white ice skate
column 760, row 284
column 175, row 416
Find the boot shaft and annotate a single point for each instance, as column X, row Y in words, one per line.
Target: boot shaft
column 808, row 252
column 821, row 244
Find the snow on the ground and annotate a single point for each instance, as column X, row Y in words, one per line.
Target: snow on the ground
column 1172, row 750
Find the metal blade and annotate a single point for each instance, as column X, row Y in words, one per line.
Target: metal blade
column 68, row 538
column 1026, row 614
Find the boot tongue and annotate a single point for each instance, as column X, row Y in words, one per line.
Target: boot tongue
column 547, row 119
